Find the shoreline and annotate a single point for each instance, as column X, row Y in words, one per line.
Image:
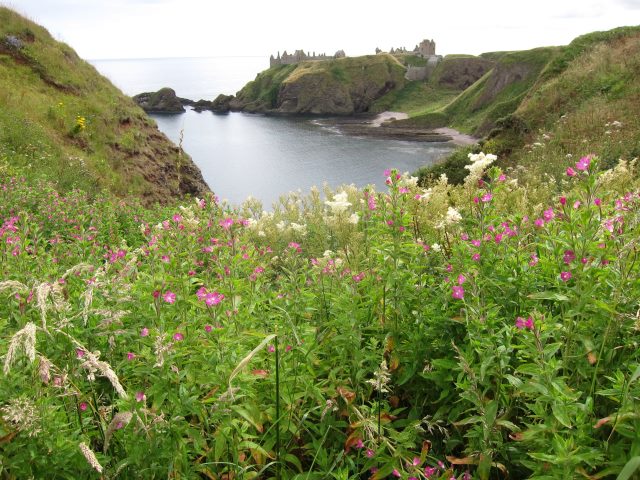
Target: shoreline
column 379, row 126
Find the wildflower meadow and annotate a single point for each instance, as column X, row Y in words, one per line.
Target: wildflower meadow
column 483, row 331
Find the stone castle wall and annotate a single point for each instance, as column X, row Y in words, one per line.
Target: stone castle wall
column 299, row 56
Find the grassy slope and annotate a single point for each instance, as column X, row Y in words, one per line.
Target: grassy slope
column 569, row 110
column 351, row 76
column 44, row 89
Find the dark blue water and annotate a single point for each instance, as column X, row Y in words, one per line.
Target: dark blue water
column 243, row 155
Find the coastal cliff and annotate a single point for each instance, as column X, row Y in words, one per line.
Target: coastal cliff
column 342, row 86
column 60, row 119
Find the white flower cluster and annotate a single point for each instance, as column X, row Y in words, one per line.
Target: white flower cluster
column 479, row 162
column 451, row 218
column 340, row 202
column 407, row 180
column 22, row 414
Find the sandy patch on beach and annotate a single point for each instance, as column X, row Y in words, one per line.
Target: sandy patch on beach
column 387, row 116
column 457, row 137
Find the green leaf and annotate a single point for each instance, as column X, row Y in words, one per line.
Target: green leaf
column 560, row 412
column 629, row 469
column 558, row 297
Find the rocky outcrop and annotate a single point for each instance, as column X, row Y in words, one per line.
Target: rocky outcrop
column 461, row 72
column 343, row 86
column 164, row 100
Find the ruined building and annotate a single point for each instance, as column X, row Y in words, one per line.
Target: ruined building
column 300, row 56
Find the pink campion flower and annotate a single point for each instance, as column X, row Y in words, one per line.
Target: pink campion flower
column 441, row 464
column 396, row 473
column 295, row 246
column 371, row 202
column 568, row 257
column 476, row 243
column 169, row 297
column 539, row 222
column 577, row 204
column 458, row 292
column 177, row 218
column 464, row 237
column 563, row 201
column 597, row 201
column 271, row 348
column 370, row 453
column 83, row 406
column 416, row 461
column 156, row 293
column 208, row 328
column 534, row 260
column 429, row 471
column 359, row 444
column 144, row 332
column 288, row 348
column 476, row 200
column 565, row 276
column 226, row 223
column 502, row 177
column 449, row 268
column 131, row 356
column 548, row 214
column 583, row 163
column 79, row 353
column 461, row 279
column 165, row 258
column 178, row 337
column 521, row 323
column 498, row 238
column 487, row 197
column 140, row 397
column 475, row 257
column 213, row 298
column 571, row 172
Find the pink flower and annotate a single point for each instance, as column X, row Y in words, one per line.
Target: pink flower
column 144, row 332
column 165, row 258
column 534, row 260
column 458, row 293
column 461, row 279
column 563, row 201
column 271, row 349
column 207, row 328
column 213, row 298
column 83, row 406
column 597, row 202
column 359, row 443
column 177, row 218
column 475, row 257
column 487, row 197
column 475, row 243
column 429, row 471
column 416, row 461
column 521, row 323
column 577, row 204
column 548, row 214
column 571, row 172
column 396, row 473
column 140, row 396
column 131, row 356
column 178, row 337
column 156, row 293
column 568, row 257
column 583, row 163
column 565, row 276
column 370, row 453
column 169, row 296
column 502, row 177
column 538, row 222
column 226, row 223
column 79, row 353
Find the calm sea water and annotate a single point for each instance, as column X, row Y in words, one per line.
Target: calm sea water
column 243, row 155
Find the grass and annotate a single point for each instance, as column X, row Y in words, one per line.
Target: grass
column 45, row 88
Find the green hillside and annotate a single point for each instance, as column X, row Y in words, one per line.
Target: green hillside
column 60, row 119
column 581, row 97
column 339, row 86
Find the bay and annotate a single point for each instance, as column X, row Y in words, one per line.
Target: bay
column 242, row 155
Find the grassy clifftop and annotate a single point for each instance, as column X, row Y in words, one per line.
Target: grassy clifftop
column 60, row 119
column 340, row 86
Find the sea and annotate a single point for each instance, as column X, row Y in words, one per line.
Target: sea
column 251, row 155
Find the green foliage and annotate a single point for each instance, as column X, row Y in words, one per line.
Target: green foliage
column 488, row 328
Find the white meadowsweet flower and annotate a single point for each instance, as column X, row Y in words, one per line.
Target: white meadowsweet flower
column 426, row 194
column 479, row 162
column 354, row 218
column 453, row 216
column 436, row 247
column 281, row 225
column 339, row 203
column 299, row 228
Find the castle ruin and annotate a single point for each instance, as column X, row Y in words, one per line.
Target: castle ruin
column 300, row 56
column 425, row 49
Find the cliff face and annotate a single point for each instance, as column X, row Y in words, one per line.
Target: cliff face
column 59, row 118
column 334, row 87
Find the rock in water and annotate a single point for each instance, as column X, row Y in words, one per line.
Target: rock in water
column 162, row 101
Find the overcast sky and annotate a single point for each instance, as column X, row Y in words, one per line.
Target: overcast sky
column 194, row 28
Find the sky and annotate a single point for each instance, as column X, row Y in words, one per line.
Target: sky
column 201, row 28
